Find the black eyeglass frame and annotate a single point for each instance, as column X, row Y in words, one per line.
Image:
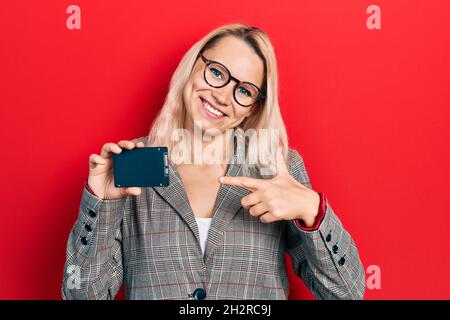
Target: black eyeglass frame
column 207, row 62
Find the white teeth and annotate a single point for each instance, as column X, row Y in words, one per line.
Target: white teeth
column 211, row 109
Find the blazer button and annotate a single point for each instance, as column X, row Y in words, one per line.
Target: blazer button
column 335, row 249
column 84, row 240
column 341, row 261
column 92, row 213
column 328, row 238
column 88, row 227
column 199, row 294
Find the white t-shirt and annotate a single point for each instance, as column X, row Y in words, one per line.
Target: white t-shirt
column 203, row 228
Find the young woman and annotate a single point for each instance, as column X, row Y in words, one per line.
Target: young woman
column 220, row 230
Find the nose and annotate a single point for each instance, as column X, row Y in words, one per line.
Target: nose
column 224, row 95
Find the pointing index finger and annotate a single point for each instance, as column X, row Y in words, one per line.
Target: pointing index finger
column 250, row 184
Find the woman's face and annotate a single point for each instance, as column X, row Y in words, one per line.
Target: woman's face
column 243, row 64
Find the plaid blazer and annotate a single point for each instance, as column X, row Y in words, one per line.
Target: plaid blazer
column 150, row 243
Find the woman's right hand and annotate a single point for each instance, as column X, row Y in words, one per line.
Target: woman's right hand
column 101, row 176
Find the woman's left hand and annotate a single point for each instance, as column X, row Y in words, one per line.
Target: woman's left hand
column 279, row 198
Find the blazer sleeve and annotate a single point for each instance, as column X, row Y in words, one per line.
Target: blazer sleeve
column 93, row 267
column 326, row 259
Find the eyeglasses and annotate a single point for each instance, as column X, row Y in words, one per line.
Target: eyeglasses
column 218, row 76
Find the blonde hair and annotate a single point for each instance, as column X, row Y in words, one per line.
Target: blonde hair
column 266, row 115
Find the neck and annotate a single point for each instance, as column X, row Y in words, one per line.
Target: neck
column 210, row 146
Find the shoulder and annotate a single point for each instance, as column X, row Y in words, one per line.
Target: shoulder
column 294, row 159
column 296, row 167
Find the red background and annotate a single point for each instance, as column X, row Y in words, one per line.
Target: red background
column 367, row 109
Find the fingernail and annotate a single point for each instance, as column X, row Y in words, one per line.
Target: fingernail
column 221, row 179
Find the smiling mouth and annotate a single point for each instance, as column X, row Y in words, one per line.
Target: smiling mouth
column 212, row 111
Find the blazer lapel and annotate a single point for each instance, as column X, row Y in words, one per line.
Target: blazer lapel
column 228, row 201
column 176, row 196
